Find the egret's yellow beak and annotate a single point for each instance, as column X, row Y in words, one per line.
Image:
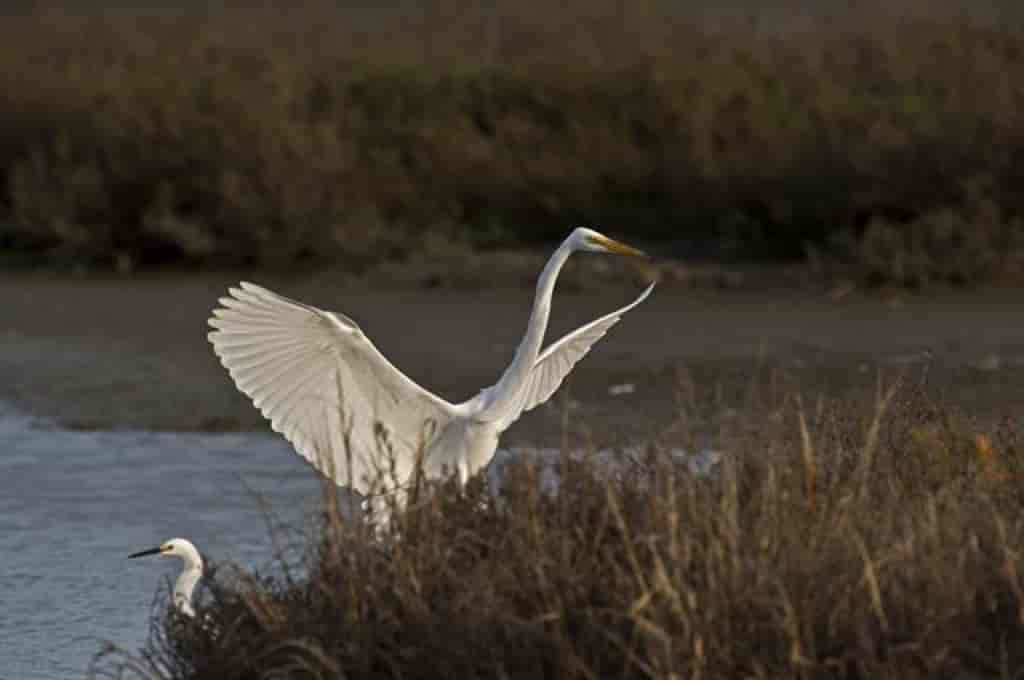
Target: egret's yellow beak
column 616, row 247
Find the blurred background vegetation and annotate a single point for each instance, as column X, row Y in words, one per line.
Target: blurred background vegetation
column 885, row 136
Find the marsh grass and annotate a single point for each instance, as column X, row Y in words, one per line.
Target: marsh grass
column 255, row 135
column 866, row 539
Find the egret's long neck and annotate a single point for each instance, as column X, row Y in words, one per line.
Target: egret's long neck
column 507, row 391
column 186, row 583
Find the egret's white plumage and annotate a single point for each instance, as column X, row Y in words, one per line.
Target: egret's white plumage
column 347, row 410
column 190, row 575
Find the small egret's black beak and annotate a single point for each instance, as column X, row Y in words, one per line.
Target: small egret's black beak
column 152, row 551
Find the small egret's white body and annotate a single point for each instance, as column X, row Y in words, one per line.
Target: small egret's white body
column 190, row 575
column 347, row 410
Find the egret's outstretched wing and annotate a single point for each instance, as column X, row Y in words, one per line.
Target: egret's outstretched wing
column 555, row 362
column 324, row 386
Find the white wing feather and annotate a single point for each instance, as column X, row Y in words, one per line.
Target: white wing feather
column 555, row 362
column 323, row 385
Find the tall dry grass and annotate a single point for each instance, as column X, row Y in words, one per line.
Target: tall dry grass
column 877, row 539
column 278, row 135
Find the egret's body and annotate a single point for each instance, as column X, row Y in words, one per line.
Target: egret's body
column 189, row 576
column 353, row 415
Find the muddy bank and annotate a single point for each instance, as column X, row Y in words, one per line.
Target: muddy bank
column 132, row 352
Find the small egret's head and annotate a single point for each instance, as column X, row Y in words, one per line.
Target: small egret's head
column 190, row 575
column 588, row 239
column 177, row 547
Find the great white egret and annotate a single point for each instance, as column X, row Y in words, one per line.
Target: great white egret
column 190, row 575
column 359, row 420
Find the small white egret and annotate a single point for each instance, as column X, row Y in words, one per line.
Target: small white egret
column 359, row 420
column 190, row 575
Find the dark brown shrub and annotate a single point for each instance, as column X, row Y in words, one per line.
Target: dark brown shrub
column 849, row 540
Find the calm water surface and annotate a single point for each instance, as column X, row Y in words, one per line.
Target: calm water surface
column 74, row 504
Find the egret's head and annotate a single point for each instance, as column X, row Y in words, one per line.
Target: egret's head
column 177, row 547
column 588, row 239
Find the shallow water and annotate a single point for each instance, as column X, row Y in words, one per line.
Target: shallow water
column 74, row 504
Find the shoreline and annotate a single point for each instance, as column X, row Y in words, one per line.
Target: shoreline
column 131, row 352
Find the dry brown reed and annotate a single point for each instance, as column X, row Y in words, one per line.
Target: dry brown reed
column 848, row 540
